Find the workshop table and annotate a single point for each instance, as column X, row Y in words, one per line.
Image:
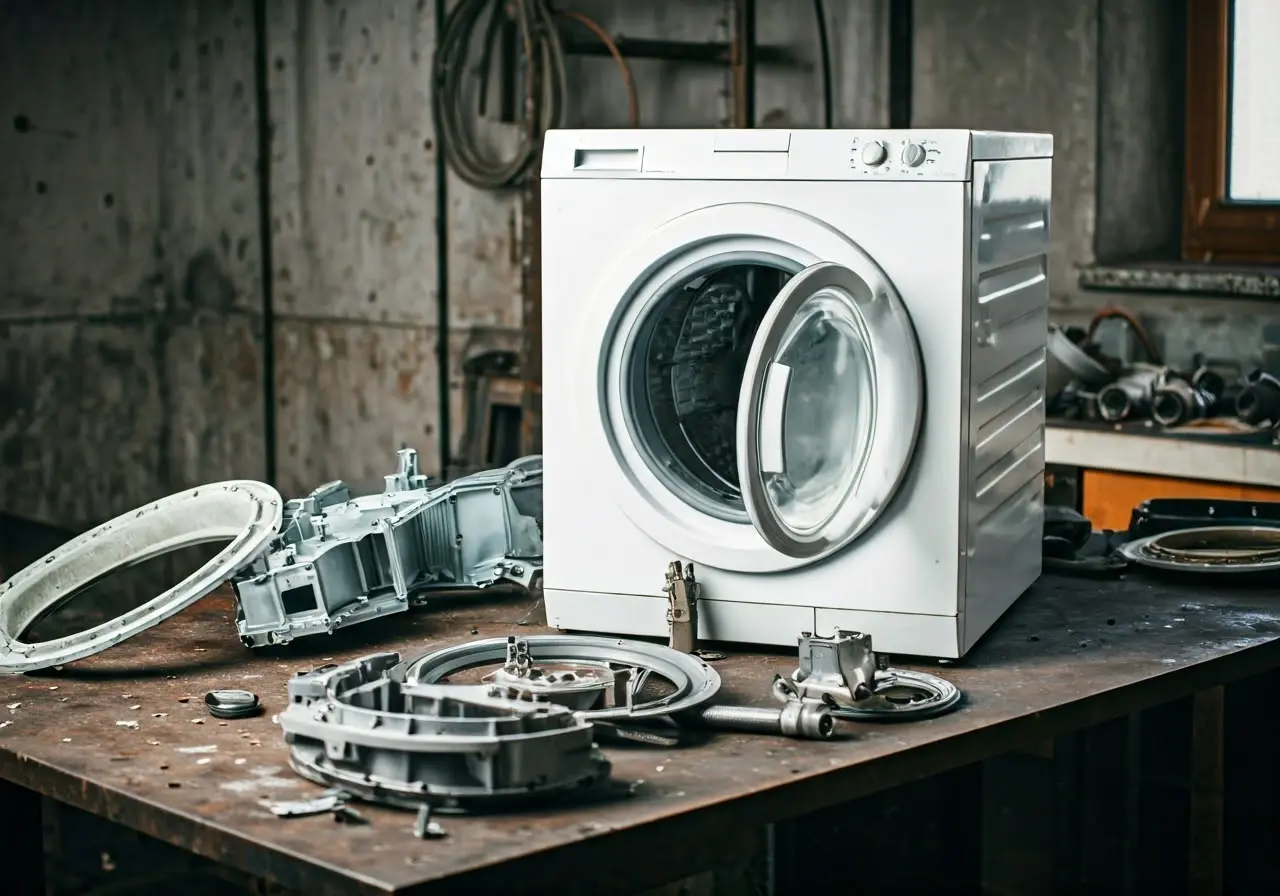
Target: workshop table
column 124, row 735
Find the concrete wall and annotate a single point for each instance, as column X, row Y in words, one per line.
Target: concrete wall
column 138, row 352
column 130, row 324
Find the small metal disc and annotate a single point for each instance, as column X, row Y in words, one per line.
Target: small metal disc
column 231, row 704
column 903, row 696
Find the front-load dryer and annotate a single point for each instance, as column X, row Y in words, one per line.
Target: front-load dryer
column 811, row 363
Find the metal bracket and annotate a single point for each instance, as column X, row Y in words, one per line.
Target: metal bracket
column 843, row 673
column 682, row 607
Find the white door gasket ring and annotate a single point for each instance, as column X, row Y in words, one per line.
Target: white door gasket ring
column 246, row 512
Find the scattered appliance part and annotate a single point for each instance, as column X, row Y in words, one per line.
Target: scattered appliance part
column 360, row 727
column 1158, row 515
column 743, row 386
column 1177, row 401
column 232, row 703
column 1259, row 401
column 797, row 718
column 690, row 682
column 245, row 513
column 328, row 801
column 1130, row 395
column 1208, row 549
column 682, row 610
column 426, row 829
column 340, row 560
column 577, row 685
column 843, row 673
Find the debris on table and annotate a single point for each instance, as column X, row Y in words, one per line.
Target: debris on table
column 232, row 703
column 328, row 801
column 426, row 829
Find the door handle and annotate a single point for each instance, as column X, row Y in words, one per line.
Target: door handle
column 773, row 410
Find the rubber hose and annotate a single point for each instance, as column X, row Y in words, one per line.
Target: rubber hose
column 544, row 83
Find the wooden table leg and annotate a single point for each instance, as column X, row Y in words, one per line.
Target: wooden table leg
column 1207, row 779
column 22, row 840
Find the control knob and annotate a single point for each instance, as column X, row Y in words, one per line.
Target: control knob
column 874, row 153
column 913, row 155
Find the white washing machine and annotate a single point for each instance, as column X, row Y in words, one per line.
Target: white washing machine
column 811, row 363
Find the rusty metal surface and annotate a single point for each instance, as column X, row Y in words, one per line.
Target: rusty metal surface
column 1068, row 655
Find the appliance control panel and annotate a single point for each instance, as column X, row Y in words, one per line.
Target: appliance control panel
column 907, row 155
column 913, row 154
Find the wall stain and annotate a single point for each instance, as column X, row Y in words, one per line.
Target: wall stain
column 206, row 284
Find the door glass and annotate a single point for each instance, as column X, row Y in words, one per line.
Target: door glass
column 822, row 383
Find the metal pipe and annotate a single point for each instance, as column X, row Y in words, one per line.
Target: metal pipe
column 1129, row 396
column 797, row 718
column 1177, row 401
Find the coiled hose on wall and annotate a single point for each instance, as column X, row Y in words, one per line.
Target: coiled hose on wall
column 543, row 77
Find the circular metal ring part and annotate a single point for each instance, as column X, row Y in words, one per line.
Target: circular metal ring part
column 245, row 512
column 695, row 682
column 232, row 703
column 903, row 696
column 1212, row 549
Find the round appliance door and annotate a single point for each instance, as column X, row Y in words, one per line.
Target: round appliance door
column 759, row 387
column 829, row 410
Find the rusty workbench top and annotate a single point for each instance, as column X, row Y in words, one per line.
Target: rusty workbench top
column 1069, row 654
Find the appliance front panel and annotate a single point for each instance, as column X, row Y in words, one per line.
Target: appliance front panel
column 915, row 233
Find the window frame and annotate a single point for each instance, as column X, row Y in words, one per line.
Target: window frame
column 1213, row 228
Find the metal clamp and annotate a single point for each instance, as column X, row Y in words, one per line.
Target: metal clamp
column 682, row 607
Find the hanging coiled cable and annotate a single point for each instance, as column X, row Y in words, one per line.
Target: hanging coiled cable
column 544, row 87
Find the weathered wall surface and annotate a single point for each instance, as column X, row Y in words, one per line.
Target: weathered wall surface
column 130, row 333
column 354, row 251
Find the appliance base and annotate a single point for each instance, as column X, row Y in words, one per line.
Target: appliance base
column 898, row 634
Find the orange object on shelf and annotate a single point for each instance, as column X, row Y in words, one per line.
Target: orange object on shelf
column 1108, row 498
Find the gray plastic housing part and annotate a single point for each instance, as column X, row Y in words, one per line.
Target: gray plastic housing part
column 340, row 560
column 360, row 727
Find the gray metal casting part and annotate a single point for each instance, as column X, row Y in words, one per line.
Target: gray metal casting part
column 340, row 560
column 576, row 685
column 360, row 727
column 246, row 513
column 694, row 682
column 805, row 719
column 844, row 674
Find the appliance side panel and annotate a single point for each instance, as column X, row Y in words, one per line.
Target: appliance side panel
column 1009, row 311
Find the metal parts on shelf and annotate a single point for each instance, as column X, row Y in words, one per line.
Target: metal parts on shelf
column 647, row 681
column 361, row 727
column 247, row 514
column 844, row 674
column 340, row 560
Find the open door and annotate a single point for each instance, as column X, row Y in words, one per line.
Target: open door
column 830, row 408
